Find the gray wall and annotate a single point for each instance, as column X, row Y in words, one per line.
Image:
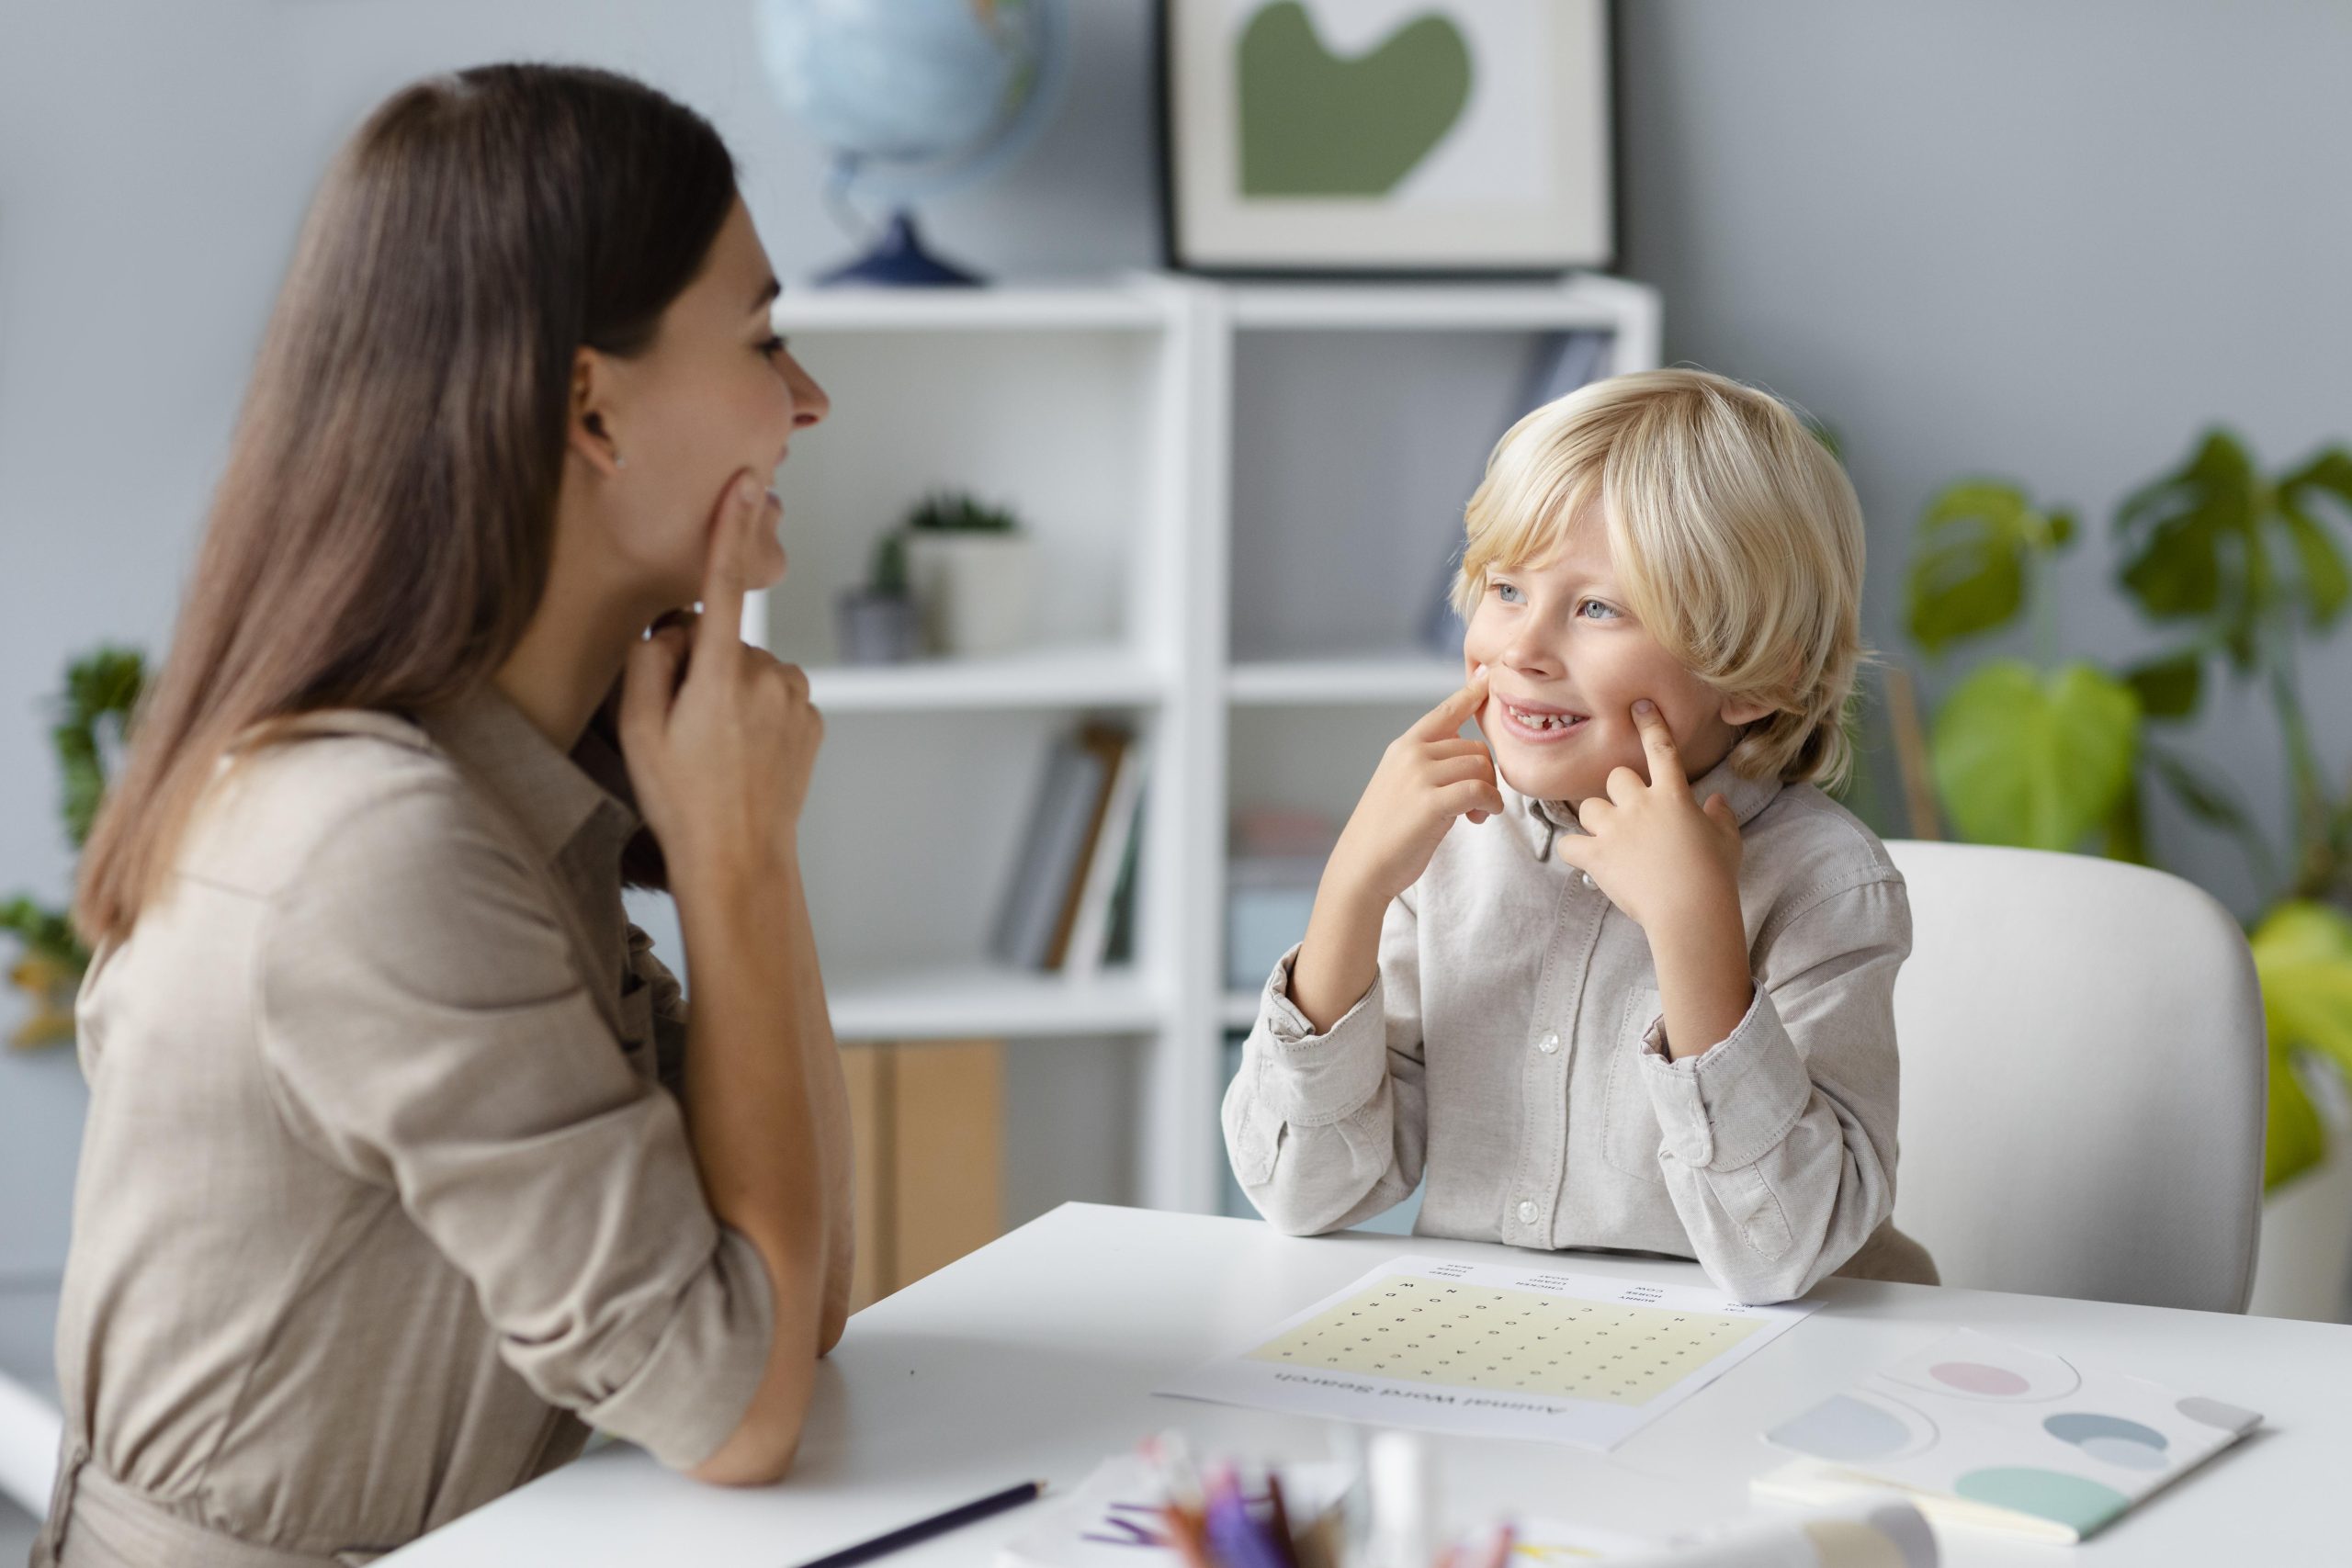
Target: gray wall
column 2047, row 240
column 2050, row 239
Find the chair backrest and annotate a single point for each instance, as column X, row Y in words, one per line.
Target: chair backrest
column 2084, row 1080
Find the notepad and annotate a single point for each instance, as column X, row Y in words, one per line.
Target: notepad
column 1495, row 1350
column 1982, row 1432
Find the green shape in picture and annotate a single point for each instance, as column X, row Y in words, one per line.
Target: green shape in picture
column 1314, row 125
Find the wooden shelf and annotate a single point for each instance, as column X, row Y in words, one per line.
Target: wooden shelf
column 981, row 1001
column 1042, row 678
column 1101, row 308
column 1329, row 682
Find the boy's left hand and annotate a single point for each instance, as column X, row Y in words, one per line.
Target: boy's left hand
column 1655, row 852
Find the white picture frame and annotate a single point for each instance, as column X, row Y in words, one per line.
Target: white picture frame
column 1283, row 118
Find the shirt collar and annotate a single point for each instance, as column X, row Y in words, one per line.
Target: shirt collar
column 1539, row 820
column 554, row 797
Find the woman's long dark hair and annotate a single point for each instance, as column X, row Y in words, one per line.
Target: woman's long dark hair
column 381, row 534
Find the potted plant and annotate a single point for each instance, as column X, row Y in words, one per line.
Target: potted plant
column 877, row 621
column 101, row 689
column 971, row 570
column 2242, row 567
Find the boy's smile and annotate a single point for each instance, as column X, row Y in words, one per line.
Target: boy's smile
column 1566, row 662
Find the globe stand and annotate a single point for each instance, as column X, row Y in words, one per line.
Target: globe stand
column 899, row 261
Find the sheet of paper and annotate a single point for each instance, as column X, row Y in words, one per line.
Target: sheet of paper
column 1495, row 1350
column 2005, row 1428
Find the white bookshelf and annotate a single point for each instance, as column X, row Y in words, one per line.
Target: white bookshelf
column 1183, row 452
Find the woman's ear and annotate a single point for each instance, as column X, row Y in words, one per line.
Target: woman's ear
column 590, row 435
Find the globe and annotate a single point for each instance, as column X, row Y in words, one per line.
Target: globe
column 912, row 98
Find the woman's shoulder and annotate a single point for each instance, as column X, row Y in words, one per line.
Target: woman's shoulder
column 368, row 791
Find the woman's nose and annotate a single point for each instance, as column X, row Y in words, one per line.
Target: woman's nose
column 809, row 403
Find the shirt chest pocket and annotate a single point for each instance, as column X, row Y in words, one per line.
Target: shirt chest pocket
column 1629, row 1132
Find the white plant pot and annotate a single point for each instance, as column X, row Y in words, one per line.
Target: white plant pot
column 976, row 589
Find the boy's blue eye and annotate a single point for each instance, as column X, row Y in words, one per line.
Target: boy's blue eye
column 1594, row 610
column 1508, row 593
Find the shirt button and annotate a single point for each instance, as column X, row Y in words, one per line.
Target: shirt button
column 1527, row 1211
column 1585, row 877
column 1549, row 1044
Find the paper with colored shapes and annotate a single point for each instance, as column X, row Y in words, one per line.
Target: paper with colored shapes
column 1983, row 1432
column 1492, row 1350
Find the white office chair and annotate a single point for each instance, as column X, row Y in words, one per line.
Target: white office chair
column 2084, row 1080
column 30, row 1422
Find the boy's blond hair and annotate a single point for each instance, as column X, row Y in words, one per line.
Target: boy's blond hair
column 1735, row 533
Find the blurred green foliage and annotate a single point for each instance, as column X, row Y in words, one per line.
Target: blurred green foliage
column 2240, row 568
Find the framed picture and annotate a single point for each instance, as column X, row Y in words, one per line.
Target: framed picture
column 1386, row 135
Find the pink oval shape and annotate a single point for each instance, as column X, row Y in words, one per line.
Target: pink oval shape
column 1975, row 1377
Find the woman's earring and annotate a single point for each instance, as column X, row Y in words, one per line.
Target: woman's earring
column 619, row 461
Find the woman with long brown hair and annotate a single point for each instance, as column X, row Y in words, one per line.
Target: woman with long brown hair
column 405, row 1161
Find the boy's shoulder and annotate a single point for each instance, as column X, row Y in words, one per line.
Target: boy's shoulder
column 1804, row 846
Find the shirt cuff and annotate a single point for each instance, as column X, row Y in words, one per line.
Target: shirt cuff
column 693, row 1389
column 1314, row 1079
column 1731, row 1104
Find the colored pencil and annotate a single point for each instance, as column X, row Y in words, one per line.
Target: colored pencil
column 923, row 1529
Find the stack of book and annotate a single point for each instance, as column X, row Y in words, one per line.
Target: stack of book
column 1071, row 905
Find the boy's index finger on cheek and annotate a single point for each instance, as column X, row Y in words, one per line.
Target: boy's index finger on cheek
column 1666, row 762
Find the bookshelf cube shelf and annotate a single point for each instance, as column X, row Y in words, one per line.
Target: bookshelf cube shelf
column 1242, row 498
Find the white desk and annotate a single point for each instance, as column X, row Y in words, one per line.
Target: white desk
column 1035, row 1356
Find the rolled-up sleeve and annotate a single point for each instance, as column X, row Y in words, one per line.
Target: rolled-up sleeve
column 1325, row 1131
column 424, row 1028
column 1778, row 1143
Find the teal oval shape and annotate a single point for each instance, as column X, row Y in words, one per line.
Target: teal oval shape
column 2074, row 1501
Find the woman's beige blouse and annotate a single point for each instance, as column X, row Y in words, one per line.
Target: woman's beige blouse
column 381, row 1194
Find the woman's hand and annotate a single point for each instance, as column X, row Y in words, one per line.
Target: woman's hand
column 1429, row 776
column 1673, row 866
column 720, row 758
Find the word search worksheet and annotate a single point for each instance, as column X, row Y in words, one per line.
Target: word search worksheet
column 1489, row 1350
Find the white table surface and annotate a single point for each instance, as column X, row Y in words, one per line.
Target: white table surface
column 1037, row 1356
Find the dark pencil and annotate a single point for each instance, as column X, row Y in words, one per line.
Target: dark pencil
column 923, row 1529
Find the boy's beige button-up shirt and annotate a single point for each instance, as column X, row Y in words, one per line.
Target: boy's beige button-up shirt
column 1511, row 1052
column 381, row 1192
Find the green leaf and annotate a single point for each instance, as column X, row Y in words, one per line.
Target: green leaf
column 2293, row 1138
column 2302, row 952
column 2168, row 687
column 1968, row 572
column 2184, row 533
column 2038, row 761
column 2325, row 583
column 2302, row 955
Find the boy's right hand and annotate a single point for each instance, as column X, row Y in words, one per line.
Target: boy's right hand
column 720, row 736
column 1429, row 776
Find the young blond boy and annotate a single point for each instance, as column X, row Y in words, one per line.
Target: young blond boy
column 1626, row 981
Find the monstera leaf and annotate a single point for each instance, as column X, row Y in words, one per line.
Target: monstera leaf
column 1967, row 573
column 2302, row 953
column 2215, row 541
column 2033, row 760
